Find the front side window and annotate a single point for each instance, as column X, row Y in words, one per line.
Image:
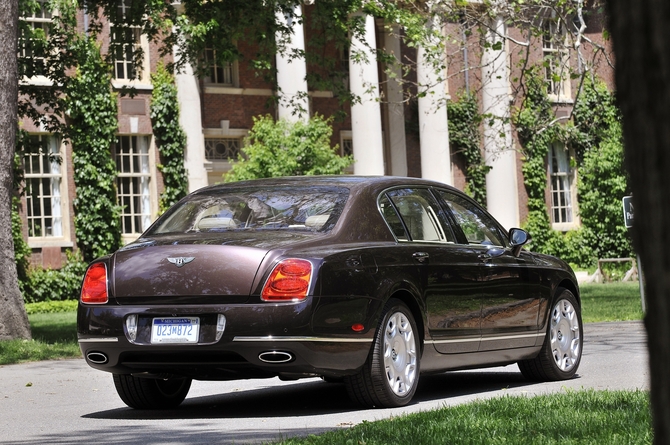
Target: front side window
column 560, row 175
column 477, row 226
column 419, row 211
column 43, row 180
column 314, row 209
column 131, row 154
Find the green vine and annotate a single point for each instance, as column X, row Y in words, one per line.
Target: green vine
column 170, row 137
column 92, row 131
column 536, row 130
column 465, row 139
column 596, row 136
column 602, row 177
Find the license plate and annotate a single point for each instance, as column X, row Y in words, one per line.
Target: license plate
column 175, row 330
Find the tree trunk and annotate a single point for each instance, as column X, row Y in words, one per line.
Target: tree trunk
column 641, row 38
column 13, row 319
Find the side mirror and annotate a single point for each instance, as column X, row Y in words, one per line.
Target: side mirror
column 517, row 238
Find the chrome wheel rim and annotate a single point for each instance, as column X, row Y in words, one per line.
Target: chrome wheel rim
column 400, row 357
column 565, row 336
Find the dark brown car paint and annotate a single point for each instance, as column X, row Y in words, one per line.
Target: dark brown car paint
column 358, row 266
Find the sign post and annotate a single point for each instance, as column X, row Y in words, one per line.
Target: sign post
column 628, row 222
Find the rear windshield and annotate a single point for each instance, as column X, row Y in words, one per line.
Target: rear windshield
column 314, row 209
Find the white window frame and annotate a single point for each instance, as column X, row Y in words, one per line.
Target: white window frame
column 42, row 22
column 59, row 234
column 562, row 188
column 347, row 147
column 140, row 186
column 216, row 168
column 558, row 60
column 143, row 77
column 230, row 80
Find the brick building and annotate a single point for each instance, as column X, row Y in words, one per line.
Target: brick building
column 217, row 111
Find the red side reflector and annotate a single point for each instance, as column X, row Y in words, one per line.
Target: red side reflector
column 289, row 280
column 357, row 327
column 94, row 289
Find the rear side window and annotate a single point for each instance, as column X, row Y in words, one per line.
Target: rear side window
column 419, row 214
column 285, row 208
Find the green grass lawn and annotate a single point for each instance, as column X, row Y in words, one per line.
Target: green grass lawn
column 54, row 337
column 573, row 417
column 611, row 302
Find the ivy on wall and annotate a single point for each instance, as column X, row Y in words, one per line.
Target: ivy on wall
column 595, row 134
column 92, row 131
column 536, row 131
column 602, row 177
column 465, row 140
column 169, row 136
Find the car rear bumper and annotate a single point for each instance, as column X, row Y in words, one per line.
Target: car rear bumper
column 264, row 340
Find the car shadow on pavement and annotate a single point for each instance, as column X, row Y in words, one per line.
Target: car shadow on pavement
column 314, row 397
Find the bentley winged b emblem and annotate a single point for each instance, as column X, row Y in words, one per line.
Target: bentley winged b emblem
column 180, row 261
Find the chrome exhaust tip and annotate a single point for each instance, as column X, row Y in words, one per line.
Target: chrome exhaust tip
column 97, row 357
column 275, row 357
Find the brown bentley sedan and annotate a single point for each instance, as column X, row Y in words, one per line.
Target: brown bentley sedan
column 367, row 280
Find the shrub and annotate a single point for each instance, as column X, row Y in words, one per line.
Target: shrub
column 54, row 285
column 288, row 149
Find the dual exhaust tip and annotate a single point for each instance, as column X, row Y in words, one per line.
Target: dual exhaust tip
column 273, row 357
column 97, row 357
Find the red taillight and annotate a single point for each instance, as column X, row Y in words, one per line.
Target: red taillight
column 94, row 289
column 289, row 280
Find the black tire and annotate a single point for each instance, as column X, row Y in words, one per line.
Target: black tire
column 145, row 393
column 397, row 343
column 561, row 352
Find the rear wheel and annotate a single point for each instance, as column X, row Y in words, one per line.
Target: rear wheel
column 145, row 393
column 562, row 349
column 391, row 373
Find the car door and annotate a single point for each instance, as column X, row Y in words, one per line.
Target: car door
column 510, row 292
column 448, row 271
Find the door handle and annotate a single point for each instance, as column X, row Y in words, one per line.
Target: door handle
column 421, row 257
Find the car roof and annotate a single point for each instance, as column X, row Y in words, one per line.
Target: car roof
column 349, row 181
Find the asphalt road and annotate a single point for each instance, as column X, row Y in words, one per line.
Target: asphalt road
column 64, row 402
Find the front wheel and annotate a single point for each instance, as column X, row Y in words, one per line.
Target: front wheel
column 562, row 349
column 146, row 393
column 390, row 375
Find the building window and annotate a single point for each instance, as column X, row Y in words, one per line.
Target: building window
column 37, row 30
column 127, row 46
column 223, row 74
column 222, row 149
column 131, row 154
column 562, row 187
column 556, row 60
column 43, row 181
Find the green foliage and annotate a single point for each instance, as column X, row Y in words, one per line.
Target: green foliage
column 536, row 132
column 288, row 149
column 465, row 139
column 597, row 139
column 92, row 131
column 51, row 307
column 602, row 176
column 169, row 136
column 21, row 249
column 54, row 285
